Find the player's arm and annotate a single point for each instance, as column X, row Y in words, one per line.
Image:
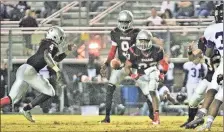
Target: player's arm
column 186, row 74
column 49, row 59
column 61, row 56
column 113, row 49
column 128, row 66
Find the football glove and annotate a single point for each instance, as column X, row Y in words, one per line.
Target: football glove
column 135, row 76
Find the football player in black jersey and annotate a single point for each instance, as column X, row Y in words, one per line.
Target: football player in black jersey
column 145, row 57
column 27, row 74
column 123, row 37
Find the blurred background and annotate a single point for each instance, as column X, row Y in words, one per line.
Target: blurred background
column 87, row 24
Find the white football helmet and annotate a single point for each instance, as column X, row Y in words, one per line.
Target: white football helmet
column 125, row 20
column 144, row 40
column 56, row 34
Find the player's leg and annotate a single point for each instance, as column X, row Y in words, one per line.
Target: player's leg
column 214, row 86
column 213, row 110
column 115, row 78
column 195, row 99
column 18, row 88
column 40, row 84
column 153, row 86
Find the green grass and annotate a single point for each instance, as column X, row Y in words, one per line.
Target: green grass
column 59, row 123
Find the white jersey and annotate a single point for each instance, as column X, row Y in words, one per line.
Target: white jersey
column 194, row 71
column 214, row 36
column 163, row 90
column 169, row 74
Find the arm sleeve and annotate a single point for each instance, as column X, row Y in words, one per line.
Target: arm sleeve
column 111, row 54
column 113, row 49
column 205, row 69
column 165, row 66
column 60, row 57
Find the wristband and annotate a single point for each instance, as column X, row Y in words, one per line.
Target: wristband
column 55, row 68
column 189, row 52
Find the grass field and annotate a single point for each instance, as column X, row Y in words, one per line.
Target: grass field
column 59, row 123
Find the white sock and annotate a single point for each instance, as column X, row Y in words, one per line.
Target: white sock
column 204, row 110
column 210, row 118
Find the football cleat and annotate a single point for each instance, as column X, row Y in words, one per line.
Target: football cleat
column 28, row 115
column 156, row 120
column 195, row 123
column 206, row 127
column 105, row 120
column 183, row 125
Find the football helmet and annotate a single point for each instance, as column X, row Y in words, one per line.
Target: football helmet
column 218, row 14
column 56, row 34
column 144, row 40
column 125, row 20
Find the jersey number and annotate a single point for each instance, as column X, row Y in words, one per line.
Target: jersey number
column 142, row 65
column 125, row 47
column 219, row 37
column 51, row 47
column 195, row 72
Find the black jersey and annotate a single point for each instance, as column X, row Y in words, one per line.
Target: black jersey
column 141, row 60
column 123, row 41
column 215, row 60
column 37, row 60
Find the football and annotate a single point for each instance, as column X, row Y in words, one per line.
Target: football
column 115, row 63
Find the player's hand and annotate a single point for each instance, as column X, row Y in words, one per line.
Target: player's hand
column 135, row 76
column 161, row 77
column 190, row 47
column 103, row 70
column 220, row 79
column 58, row 76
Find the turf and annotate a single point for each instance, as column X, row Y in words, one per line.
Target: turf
column 59, row 123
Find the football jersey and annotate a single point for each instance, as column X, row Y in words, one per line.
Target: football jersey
column 163, row 89
column 141, row 60
column 37, row 60
column 194, row 71
column 214, row 37
column 123, row 41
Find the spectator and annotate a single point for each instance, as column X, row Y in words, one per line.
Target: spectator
column 154, row 20
column 3, row 74
column 168, row 15
column 167, row 5
column 186, row 9
column 205, row 8
column 22, row 6
column 4, row 13
column 49, row 8
column 28, row 21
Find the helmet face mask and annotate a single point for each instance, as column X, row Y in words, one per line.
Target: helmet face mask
column 143, row 40
column 125, row 20
column 56, row 34
column 143, row 44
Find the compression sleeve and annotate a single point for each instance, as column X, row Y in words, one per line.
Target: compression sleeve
column 111, row 54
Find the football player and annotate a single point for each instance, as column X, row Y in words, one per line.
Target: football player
column 200, row 91
column 214, row 40
column 123, row 37
column 27, row 74
column 145, row 57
